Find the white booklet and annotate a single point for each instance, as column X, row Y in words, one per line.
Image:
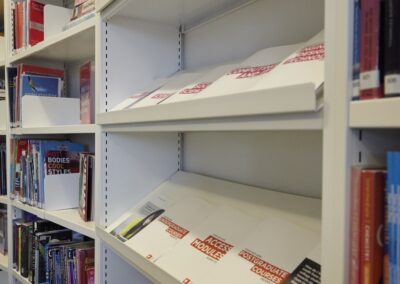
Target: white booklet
column 277, row 251
column 196, row 258
column 174, row 84
column 200, row 85
column 247, row 73
column 140, row 216
column 127, row 103
column 171, row 227
column 306, row 65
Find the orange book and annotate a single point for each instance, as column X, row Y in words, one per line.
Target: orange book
column 372, row 226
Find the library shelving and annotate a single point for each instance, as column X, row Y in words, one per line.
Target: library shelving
column 60, row 129
column 19, row 277
column 3, row 262
column 3, row 199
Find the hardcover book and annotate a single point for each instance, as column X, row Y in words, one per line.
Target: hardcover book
column 35, row 23
column 86, row 76
column 34, row 85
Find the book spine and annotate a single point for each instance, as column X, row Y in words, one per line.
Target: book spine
column 355, row 226
column 24, row 251
column 36, row 22
column 370, row 54
column 372, row 221
column 396, row 212
column 356, row 51
column 39, row 70
column 392, row 48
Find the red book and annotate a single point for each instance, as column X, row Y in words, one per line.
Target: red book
column 90, row 275
column 35, row 22
column 355, row 225
column 371, row 59
column 372, row 226
column 84, row 261
column 39, row 70
column 86, row 91
column 18, row 25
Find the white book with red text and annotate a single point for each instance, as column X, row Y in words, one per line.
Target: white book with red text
column 127, row 103
column 174, row 84
column 196, row 258
column 305, row 65
column 247, row 73
column 171, row 227
column 200, row 85
column 277, row 251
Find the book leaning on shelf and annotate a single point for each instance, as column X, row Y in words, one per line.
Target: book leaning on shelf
column 3, row 167
column 43, row 170
column 30, row 80
column 86, row 186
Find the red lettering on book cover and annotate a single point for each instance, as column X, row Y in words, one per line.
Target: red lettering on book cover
column 173, row 229
column 196, row 89
column 250, row 72
column 264, row 268
column 212, row 246
column 162, row 96
column 309, row 53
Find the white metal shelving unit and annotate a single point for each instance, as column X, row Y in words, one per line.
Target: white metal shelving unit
column 256, row 140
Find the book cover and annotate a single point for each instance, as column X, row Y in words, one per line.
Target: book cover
column 247, row 73
column 276, row 251
column 84, row 197
column 35, row 22
column 90, row 275
column 84, row 260
column 176, row 82
column 392, row 48
column 355, row 234
column 170, row 228
column 34, row 85
column 372, row 222
column 197, row 257
column 86, row 83
column 371, row 61
column 305, row 65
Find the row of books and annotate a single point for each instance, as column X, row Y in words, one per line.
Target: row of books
column 376, row 67
column 267, row 69
column 375, row 223
column 29, row 20
column 32, row 80
column 44, row 252
column 3, row 230
column 196, row 241
column 3, row 169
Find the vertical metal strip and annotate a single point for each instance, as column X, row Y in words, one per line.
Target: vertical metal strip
column 180, row 151
column 106, row 148
column 180, row 48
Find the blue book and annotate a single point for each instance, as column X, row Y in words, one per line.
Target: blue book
column 34, row 85
column 390, row 208
column 356, row 51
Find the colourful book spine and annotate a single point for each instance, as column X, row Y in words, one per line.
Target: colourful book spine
column 86, row 93
column 355, row 225
column 371, row 71
column 372, row 221
column 356, row 51
column 35, row 22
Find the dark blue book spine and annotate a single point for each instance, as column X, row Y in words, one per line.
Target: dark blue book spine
column 356, row 51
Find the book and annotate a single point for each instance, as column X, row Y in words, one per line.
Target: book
column 173, row 225
column 86, row 183
column 207, row 246
column 82, row 8
column 356, row 51
column 86, row 86
column 371, row 53
column 84, row 261
column 304, row 66
column 3, row 232
column 372, row 222
column 90, row 275
column 35, row 23
column 392, row 48
column 34, row 85
column 174, row 84
column 245, row 76
column 276, row 251
column 355, row 226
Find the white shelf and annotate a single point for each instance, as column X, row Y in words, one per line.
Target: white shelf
column 3, row 132
column 59, row 129
column 187, row 13
column 2, row 63
column 73, row 44
column 3, row 199
column 378, row 113
column 284, row 108
column 3, row 262
column 256, row 202
column 70, row 219
column 31, row 209
column 19, row 277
